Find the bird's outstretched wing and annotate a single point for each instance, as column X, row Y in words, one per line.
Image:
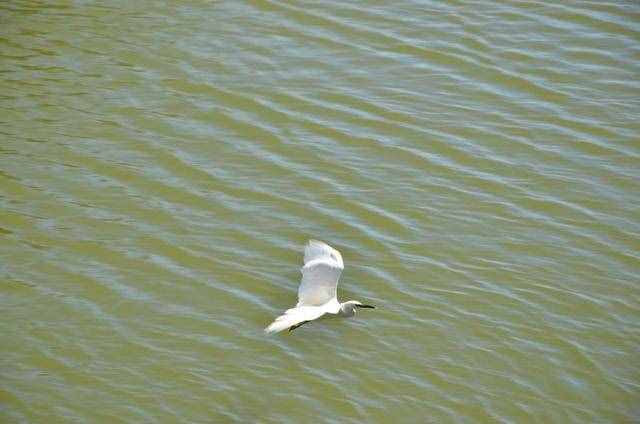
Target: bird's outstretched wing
column 294, row 316
column 320, row 273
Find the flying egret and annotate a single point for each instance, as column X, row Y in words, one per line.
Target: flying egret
column 317, row 292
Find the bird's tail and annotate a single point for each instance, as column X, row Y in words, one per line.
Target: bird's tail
column 294, row 316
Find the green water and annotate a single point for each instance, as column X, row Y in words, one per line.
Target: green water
column 162, row 165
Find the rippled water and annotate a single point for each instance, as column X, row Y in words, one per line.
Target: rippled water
column 163, row 163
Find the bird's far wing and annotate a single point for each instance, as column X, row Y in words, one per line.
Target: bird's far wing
column 318, row 250
column 322, row 268
column 294, row 316
column 319, row 282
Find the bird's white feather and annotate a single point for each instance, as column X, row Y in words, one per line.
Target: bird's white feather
column 318, row 250
column 320, row 274
column 317, row 292
column 295, row 316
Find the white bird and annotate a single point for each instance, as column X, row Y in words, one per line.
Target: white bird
column 317, row 292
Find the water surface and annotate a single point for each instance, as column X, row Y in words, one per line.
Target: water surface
column 163, row 163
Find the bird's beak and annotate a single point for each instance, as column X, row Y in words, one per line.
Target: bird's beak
column 366, row 306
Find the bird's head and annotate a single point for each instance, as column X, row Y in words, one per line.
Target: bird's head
column 350, row 307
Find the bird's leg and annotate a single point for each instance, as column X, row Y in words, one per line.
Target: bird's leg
column 293, row 327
